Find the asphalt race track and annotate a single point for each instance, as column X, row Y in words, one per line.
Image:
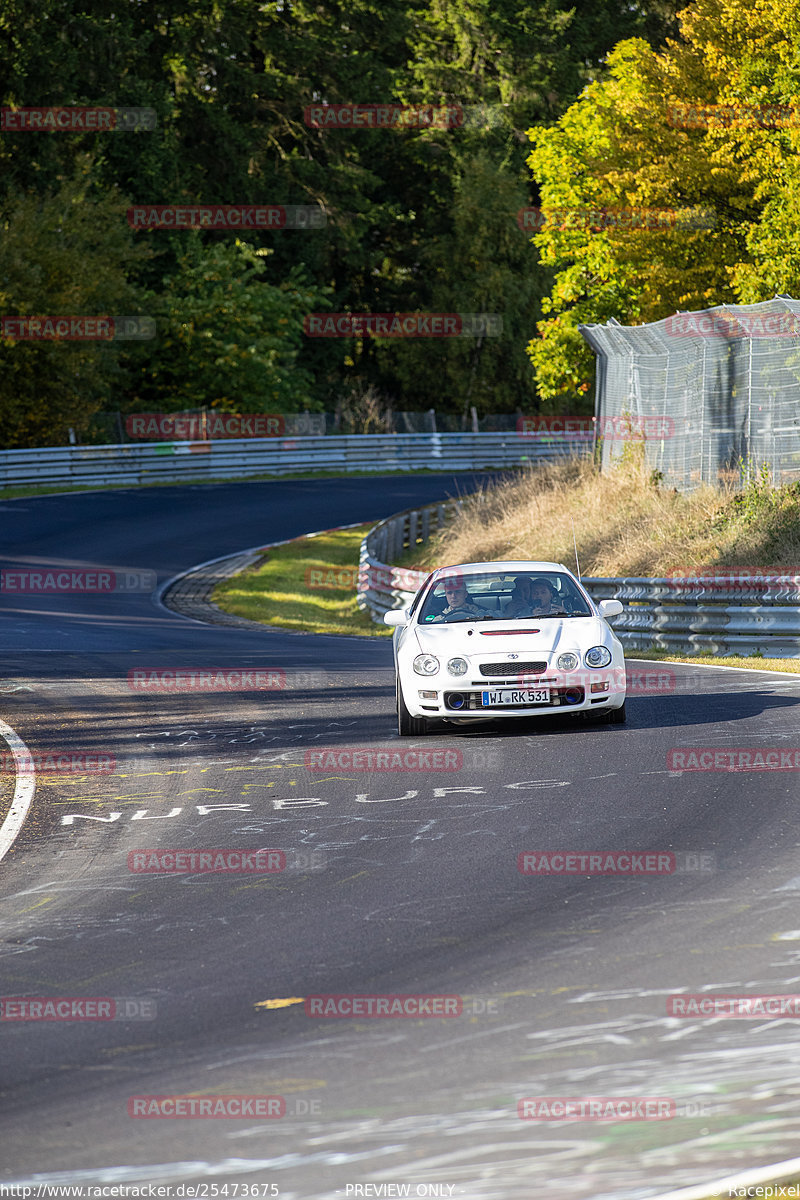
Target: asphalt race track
column 395, row 883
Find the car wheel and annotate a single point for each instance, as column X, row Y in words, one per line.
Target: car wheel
column 617, row 715
column 408, row 726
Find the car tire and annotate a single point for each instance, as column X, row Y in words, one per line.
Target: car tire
column 617, row 715
column 408, row 726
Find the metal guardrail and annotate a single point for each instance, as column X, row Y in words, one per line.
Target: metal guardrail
column 242, row 457
column 382, row 587
column 715, row 615
column 718, row 615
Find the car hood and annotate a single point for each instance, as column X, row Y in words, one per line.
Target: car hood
column 490, row 639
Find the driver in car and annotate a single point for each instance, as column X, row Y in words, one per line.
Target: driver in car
column 532, row 598
column 460, row 605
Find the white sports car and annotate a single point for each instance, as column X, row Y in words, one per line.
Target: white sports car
column 505, row 639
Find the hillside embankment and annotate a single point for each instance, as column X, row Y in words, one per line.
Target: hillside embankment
column 624, row 522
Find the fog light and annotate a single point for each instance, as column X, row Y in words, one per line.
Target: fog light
column 573, row 696
column 456, row 700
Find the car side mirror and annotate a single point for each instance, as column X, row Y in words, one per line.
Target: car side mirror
column 610, row 608
column 396, row 616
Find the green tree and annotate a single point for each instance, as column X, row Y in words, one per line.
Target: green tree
column 631, row 141
column 228, row 339
column 229, row 81
column 67, row 253
column 480, row 265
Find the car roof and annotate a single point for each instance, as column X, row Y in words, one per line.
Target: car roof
column 506, row 566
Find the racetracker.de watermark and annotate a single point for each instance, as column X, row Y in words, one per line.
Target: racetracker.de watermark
column 732, row 116
column 406, row 579
column 615, row 862
column 596, row 220
column 227, row 216
column 76, row 119
column 231, row 1108
column 227, row 862
column 653, row 682
column 759, row 579
column 735, row 1007
column 375, row 759
column 733, row 326
column 222, row 679
column 195, row 427
column 652, row 428
column 747, row 758
column 71, row 582
column 596, row 1108
column 201, row 862
column 77, row 1008
column 402, row 325
column 62, row 328
column 375, row 1006
column 58, row 762
column 398, row 117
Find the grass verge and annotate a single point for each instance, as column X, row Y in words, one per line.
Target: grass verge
column 790, row 666
column 625, row 522
column 307, row 585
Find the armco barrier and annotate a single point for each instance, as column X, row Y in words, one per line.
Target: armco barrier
column 698, row 615
column 242, row 457
column 692, row 615
column 382, row 587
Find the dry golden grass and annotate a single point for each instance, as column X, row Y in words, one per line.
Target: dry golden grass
column 624, row 523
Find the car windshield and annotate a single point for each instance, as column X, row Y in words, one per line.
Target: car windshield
column 502, row 596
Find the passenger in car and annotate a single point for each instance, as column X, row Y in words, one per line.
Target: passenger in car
column 520, row 603
column 532, row 598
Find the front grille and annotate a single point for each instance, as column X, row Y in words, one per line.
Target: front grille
column 492, row 670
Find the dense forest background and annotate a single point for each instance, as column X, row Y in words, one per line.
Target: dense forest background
column 417, row 219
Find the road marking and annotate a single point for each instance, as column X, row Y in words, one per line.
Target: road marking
column 24, row 788
column 39, row 903
column 284, row 1002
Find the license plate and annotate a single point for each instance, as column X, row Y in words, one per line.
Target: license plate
column 516, row 698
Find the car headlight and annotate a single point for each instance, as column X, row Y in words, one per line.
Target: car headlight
column 426, row 664
column 567, row 662
column 598, row 656
column 458, row 666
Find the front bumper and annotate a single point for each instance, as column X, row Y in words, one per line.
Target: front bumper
column 600, row 691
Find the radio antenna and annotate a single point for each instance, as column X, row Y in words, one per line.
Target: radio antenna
column 575, row 544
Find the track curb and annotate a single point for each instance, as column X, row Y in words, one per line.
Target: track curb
column 188, row 594
column 24, row 789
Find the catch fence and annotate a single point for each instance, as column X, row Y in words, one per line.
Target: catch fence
column 723, row 386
